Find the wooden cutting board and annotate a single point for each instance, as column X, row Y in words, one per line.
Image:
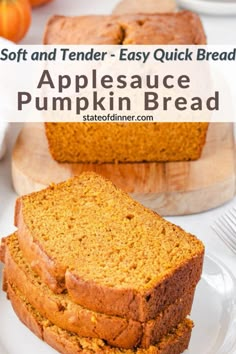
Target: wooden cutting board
column 173, row 188
column 144, row 6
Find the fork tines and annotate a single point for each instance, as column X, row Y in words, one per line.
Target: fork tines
column 225, row 228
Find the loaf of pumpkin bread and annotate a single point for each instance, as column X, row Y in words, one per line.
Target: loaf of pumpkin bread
column 64, row 313
column 183, row 27
column 69, row 343
column 126, row 142
column 111, row 254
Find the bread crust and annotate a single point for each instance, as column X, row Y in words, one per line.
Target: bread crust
column 93, row 29
column 66, row 342
column 64, row 313
column 112, row 29
column 46, row 267
column 23, row 313
column 3, row 249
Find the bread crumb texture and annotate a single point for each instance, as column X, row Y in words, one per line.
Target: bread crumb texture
column 125, row 142
column 97, row 231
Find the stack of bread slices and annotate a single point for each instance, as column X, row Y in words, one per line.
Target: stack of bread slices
column 90, row 270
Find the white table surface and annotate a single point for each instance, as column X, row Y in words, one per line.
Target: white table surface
column 220, row 30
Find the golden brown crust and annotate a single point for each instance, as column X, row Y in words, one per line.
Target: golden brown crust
column 40, row 262
column 68, row 343
column 87, row 30
column 65, row 314
column 4, row 280
column 23, row 313
column 3, row 249
column 183, row 27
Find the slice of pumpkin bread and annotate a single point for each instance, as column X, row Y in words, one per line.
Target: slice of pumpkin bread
column 69, row 343
column 64, row 313
column 112, row 254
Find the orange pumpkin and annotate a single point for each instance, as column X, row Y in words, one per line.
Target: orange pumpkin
column 35, row 3
column 15, row 18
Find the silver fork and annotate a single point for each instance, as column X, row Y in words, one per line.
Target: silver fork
column 225, row 228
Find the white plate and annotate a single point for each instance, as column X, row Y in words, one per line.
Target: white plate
column 214, row 314
column 214, row 311
column 212, row 7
